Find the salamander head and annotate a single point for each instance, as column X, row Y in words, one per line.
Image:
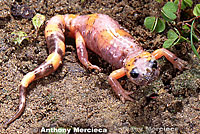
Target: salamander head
column 142, row 69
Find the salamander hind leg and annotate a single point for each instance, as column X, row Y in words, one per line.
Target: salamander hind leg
column 82, row 52
column 112, row 80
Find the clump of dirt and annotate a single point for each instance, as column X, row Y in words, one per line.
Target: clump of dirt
column 76, row 97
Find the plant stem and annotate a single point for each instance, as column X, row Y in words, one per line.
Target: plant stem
column 191, row 19
column 191, row 39
column 179, row 10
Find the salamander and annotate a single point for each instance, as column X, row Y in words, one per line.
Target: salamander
column 105, row 37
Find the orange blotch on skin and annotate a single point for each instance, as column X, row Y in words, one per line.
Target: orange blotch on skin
column 54, row 59
column 53, row 25
column 28, row 78
column 62, row 46
column 72, row 16
column 51, row 28
column 130, row 64
column 105, row 36
column 92, row 19
column 146, row 55
column 90, row 22
column 121, row 32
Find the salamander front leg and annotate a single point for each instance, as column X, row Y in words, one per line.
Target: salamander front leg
column 177, row 62
column 82, row 52
column 112, row 80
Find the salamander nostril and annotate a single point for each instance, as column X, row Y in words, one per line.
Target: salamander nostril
column 153, row 64
column 134, row 73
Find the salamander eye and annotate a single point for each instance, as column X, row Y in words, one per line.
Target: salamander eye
column 134, row 73
column 153, row 64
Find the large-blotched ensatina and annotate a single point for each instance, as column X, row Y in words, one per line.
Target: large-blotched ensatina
column 109, row 40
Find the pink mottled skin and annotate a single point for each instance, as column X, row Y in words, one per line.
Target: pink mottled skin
column 118, row 48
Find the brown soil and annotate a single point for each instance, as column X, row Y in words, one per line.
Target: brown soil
column 76, row 97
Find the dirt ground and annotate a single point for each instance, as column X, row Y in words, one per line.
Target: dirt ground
column 76, row 97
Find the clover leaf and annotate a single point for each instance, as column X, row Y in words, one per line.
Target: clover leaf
column 172, row 37
column 196, row 10
column 169, row 10
column 154, row 24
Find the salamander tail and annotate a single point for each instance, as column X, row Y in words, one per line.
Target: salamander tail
column 54, row 34
column 22, row 102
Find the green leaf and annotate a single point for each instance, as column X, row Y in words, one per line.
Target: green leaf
column 38, row 20
column 173, row 39
column 168, row 43
column 188, row 2
column 155, row 24
column 160, row 27
column 165, row 16
column 171, row 34
column 183, row 6
column 18, row 37
column 184, row 3
column 149, row 23
column 170, row 6
column 196, row 10
column 169, row 10
column 185, row 27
